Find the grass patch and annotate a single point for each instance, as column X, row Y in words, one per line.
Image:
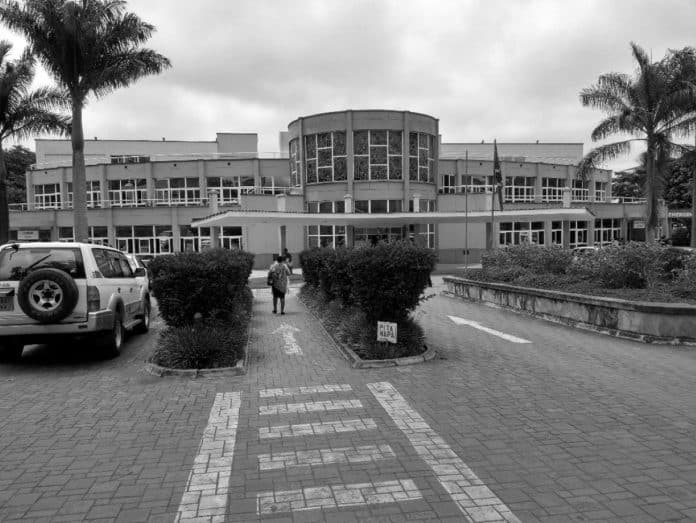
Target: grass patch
column 350, row 327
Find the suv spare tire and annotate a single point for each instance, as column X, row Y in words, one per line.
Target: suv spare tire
column 47, row 295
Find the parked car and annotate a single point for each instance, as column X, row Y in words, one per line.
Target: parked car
column 52, row 290
column 136, row 263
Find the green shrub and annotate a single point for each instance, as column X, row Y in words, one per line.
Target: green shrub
column 635, row 265
column 212, row 283
column 537, row 259
column 388, row 279
column 312, row 261
column 338, row 281
column 200, row 346
column 685, row 279
column 680, row 236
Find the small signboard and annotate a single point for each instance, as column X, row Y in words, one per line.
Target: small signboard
column 386, row 331
column 639, row 224
column 27, row 235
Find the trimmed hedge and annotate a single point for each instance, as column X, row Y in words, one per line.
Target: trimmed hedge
column 386, row 282
column 210, row 283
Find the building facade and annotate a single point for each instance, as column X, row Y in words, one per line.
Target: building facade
column 143, row 196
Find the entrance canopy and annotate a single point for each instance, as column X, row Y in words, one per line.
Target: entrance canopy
column 238, row 218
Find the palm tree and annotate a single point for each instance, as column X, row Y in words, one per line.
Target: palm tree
column 653, row 107
column 22, row 114
column 90, row 47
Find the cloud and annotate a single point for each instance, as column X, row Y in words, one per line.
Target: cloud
column 511, row 70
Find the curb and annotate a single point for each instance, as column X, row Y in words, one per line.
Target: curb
column 356, row 362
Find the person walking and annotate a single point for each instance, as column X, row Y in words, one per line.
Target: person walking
column 288, row 259
column 278, row 280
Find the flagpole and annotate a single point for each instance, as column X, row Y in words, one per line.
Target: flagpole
column 466, row 210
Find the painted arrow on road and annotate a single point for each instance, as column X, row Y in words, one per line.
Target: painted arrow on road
column 477, row 325
column 288, row 334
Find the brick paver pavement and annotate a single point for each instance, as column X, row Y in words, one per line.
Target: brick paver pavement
column 571, row 427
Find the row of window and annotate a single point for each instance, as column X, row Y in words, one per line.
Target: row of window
column 515, row 233
column 369, row 206
column 522, row 188
column 377, row 155
column 169, row 191
column 334, row 236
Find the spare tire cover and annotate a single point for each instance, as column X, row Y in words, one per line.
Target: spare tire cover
column 47, row 295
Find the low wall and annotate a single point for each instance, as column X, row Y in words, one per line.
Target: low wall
column 644, row 321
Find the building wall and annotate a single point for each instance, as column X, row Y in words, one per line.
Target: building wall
column 562, row 153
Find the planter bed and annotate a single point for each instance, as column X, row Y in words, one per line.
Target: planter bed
column 644, row 321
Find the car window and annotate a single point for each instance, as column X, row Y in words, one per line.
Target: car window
column 15, row 263
column 125, row 266
column 101, row 256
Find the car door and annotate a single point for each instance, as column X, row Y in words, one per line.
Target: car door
column 130, row 291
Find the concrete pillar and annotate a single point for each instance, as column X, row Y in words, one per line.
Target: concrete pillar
column 29, row 181
column 256, row 171
column 591, row 187
column 348, row 204
column 547, row 232
column 416, row 202
column 566, row 234
column 64, row 189
column 282, row 233
column 538, row 186
column 104, row 187
column 281, row 203
column 590, row 231
column 567, row 197
column 150, row 184
column 214, row 209
column 350, row 160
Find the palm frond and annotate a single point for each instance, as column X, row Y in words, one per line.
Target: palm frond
column 596, row 157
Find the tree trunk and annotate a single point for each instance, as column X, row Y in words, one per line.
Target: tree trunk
column 693, row 202
column 79, row 183
column 650, row 194
column 4, row 209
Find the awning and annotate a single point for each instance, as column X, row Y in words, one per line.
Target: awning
column 238, row 218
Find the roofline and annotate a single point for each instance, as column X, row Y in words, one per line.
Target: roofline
column 124, row 140
column 361, row 111
column 512, row 143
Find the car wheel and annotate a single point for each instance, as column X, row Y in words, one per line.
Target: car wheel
column 144, row 324
column 11, row 350
column 47, row 295
column 113, row 340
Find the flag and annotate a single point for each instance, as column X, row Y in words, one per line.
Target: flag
column 497, row 175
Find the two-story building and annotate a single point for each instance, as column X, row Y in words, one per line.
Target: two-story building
column 340, row 178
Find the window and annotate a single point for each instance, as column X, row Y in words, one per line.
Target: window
column 228, row 189
column 552, row 189
column 557, row 233
column 378, row 155
column 326, row 207
column 421, row 159
column 477, row 183
column 177, row 191
column 295, row 179
column 196, row 240
column 128, row 193
column 378, row 206
column 580, row 191
column 373, row 235
column 47, row 196
column 423, row 205
column 144, row 239
column 519, row 188
column 109, row 263
column 577, row 234
column 14, row 264
column 129, row 159
column 231, row 237
column 449, row 184
column 427, row 234
column 362, row 206
column 326, row 236
column 607, row 230
column 600, row 191
column 517, row 233
column 325, row 157
column 93, row 194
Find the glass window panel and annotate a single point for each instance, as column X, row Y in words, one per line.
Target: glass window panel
column 124, row 231
column 326, row 207
column 378, row 206
column 378, row 155
column 378, row 137
column 395, row 205
column 311, row 146
column 394, row 142
column 324, row 140
column 325, row 174
column 313, row 207
column 340, row 169
column 395, row 168
column 325, row 230
column 423, row 140
column 313, row 230
column 192, row 182
column 413, row 144
column 413, row 169
column 379, row 172
column 325, row 158
column 339, row 143
column 360, row 142
column 99, row 232
column 232, row 231
column 311, row 171
column 423, row 158
column 340, row 207
column 141, row 231
column 362, row 206
column 423, row 174
column 361, row 168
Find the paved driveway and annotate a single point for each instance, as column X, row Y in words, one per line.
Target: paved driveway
column 571, row 426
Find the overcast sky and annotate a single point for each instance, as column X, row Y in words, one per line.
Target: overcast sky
column 510, row 70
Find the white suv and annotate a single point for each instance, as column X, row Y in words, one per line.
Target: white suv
column 48, row 290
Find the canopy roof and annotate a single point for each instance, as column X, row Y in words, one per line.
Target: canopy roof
column 237, row 218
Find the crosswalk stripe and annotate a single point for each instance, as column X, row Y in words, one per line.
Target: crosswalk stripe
column 309, row 406
column 318, row 428
column 474, row 499
column 337, row 496
column 308, row 458
column 208, row 482
column 297, row 391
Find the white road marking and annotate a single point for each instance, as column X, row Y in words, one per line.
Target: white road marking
column 318, row 428
column 207, row 488
column 477, row 325
column 309, row 406
column 308, row 458
column 288, row 334
column 337, row 496
column 476, row 501
column 296, row 391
